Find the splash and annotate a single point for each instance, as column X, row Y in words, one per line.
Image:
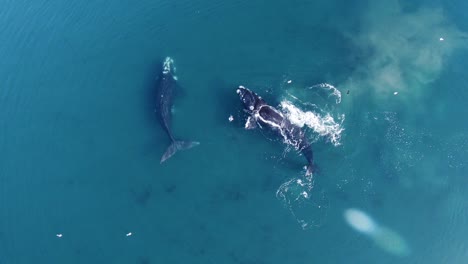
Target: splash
column 382, row 236
column 316, row 108
column 313, row 107
column 325, row 126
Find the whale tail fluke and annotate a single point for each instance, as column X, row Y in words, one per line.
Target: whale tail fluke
column 176, row 146
column 311, row 169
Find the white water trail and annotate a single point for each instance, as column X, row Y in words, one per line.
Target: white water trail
column 325, row 126
column 308, row 207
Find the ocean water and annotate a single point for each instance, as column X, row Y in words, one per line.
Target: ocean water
column 379, row 86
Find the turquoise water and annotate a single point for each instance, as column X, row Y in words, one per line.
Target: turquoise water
column 81, row 144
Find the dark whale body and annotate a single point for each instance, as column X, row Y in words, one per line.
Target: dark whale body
column 166, row 86
column 264, row 115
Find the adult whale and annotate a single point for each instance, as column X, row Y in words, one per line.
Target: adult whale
column 167, row 83
column 263, row 115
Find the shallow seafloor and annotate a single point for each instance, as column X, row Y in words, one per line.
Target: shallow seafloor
column 81, row 145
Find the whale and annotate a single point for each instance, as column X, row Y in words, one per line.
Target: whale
column 264, row 116
column 166, row 87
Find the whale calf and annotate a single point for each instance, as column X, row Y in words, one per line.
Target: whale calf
column 166, row 85
column 260, row 114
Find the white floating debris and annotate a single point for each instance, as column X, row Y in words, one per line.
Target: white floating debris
column 59, row 235
column 289, row 81
column 231, row 118
column 128, row 234
column 441, row 39
column 395, row 93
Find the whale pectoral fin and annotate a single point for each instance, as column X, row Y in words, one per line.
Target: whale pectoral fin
column 250, row 123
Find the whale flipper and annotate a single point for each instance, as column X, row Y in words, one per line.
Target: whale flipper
column 250, row 123
column 176, row 146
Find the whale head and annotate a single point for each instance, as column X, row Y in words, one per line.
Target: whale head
column 168, row 66
column 250, row 100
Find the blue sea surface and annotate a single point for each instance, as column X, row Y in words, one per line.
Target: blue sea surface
column 380, row 87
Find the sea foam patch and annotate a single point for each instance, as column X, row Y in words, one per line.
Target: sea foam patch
column 384, row 237
column 315, row 107
column 325, row 126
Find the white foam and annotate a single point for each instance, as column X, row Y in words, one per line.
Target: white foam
column 323, row 125
column 334, row 91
